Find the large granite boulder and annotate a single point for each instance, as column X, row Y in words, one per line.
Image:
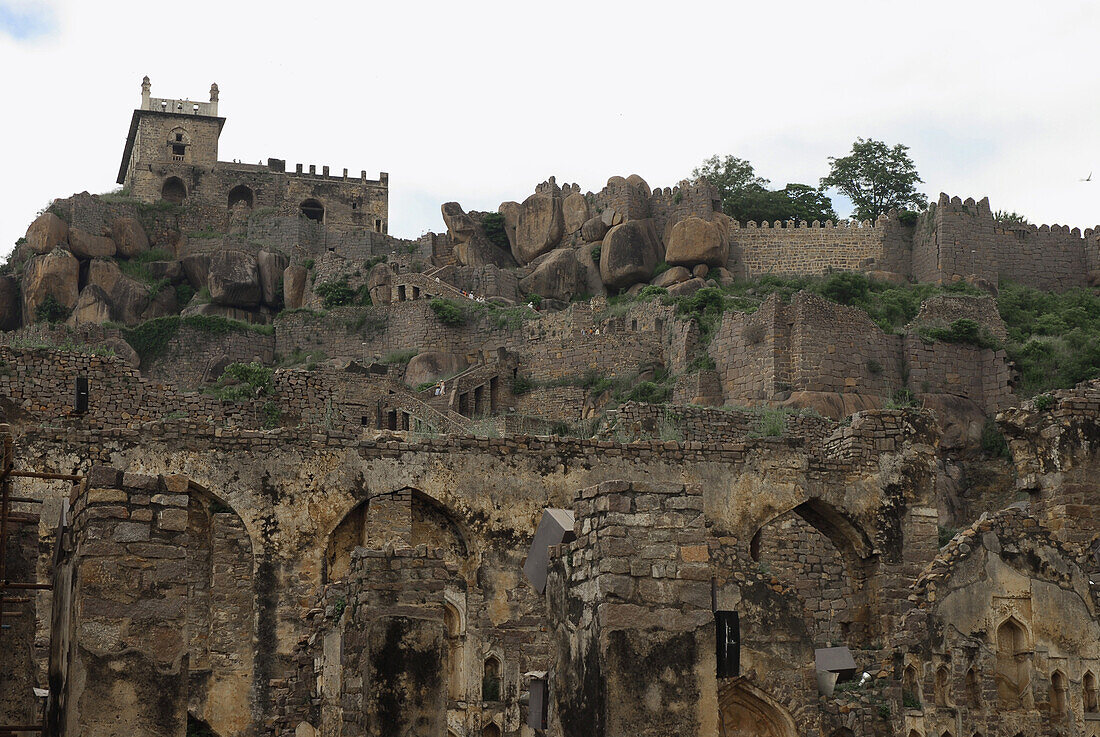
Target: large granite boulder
column 640, row 184
column 686, row 288
column 574, row 209
column 92, row 307
column 510, row 211
column 234, row 279
column 127, row 297
column 460, row 226
column 47, row 232
column 675, row 275
column 294, row 286
column 480, row 251
column 271, row 267
column 629, row 254
column 539, row 228
column 11, row 308
column 85, row 245
column 124, row 351
column 129, row 237
column 55, row 274
column 558, row 275
column 696, row 241
column 432, row 366
column 170, row 270
column 593, row 283
column 380, row 285
column 594, row 229
column 161, row 304
column 256, row 316
column 196, row 267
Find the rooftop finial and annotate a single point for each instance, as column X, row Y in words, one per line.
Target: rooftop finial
column 145, row 87
column 214, row 98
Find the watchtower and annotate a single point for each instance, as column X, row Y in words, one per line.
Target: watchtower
column 171, row 143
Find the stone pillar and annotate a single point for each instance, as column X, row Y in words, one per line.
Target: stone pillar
column 128, row 660
column 630, row 606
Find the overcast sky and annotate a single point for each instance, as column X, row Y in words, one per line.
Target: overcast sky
column 479, row 101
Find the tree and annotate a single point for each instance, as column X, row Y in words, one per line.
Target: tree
column 877, row 178
column 1004, row 217
column 746, row 196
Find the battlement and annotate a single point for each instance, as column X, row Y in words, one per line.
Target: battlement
column 301, row 170
column 179, row 106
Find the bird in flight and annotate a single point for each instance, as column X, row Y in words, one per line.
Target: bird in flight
column 1087, row 179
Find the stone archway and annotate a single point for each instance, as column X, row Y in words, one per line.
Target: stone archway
column 173, row 190
column 746, row 711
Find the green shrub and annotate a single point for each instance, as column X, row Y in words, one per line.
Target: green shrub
column 908, row 218
column 493, row 225
column 772, row 423
column 649, row 392
column 50, row 310
column 535, row 300
column 902, row 399
column 596, row 252
column 245, row 381
column 874, row 367
column 400, row 357
column 946, row 534
column 522, row 385
column 846, row 288
column 150, row 339
column 447, row 312
column 993, row 441
column 1043, row 402
column 308, row 264
column 184, row 293
column 661, row 267
column 335, row 293
column 964, row 330
column 702, row 361
column 650, row 291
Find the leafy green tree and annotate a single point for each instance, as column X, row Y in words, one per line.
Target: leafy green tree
column 746, row 196
column 877, row 178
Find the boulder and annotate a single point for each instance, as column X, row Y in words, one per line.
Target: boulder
column 480, row 251
column 834, row 405
column 460, row 226
column 616, row 181
column 46, row 233
column 510, row 211
column 675, row 275
column 432, row 366
column 701, row 271
column 162, row 304
column 234, row 279
column 640, row 184
column 722, row 275
column 629, row 254
column 594, row 229
column 981, row 283
column 294, row 286
column 85, row 245
column 124, row 351
column 593, row 284
column 558, row 276
column 539, row 227
column 610, row 217
column 127, row 298
column 271, row 267
column 380, row 285
column 697, row 241
column 574, row 209
column 683, row 289
column 890, row 277
column 92, row 307
column 259, row 316
column 11, row 308
column 196, row 267
column 129, row 237
column 55, row 274
column 170, row 270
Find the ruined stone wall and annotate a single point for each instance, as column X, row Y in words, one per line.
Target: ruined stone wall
column 701, row 424
column 552, row 402
column 800, row 250
column 750, row 352
column 193, row 356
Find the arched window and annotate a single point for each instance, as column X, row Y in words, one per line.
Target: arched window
column 178, row 142
column 1013, row 664
column 1089, row 692
column 1057, row 695
column 452, row 623
column 973, row 690
column 173, row 190
column 941, row 686
column 915, row 733
column 910, row 688
column 490, row 679
column 491, row 730
column 313, row 210
column 240, row 195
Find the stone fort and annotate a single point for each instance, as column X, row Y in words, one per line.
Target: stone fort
column 269, row 470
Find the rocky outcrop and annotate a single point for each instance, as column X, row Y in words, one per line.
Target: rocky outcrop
column 460, row 226
column 574, row 210
column 593, row 283
column 46, row 233
column 639, row 184
column 234, row 279
column 85, row 245
column 127, row 298
column 196, row 267
column 10, row 303
column 594, row 229
column 433, row 366
column 558, row 276
column 683, row 289
column 92, row 307
column 696, row 241
column 629, row 254
column 257, row 316
column 271, row 267
column 539, row 227
column 124, row 351
column 129, row 237
column 510, row 211
column 55, row 274
column 675, row 275
column 472, row 247
column 294, row 286
column 380, row 285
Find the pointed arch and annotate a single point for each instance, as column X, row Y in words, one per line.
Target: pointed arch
column 173, row 190
column 492, row 672
column 242, row 196
column 910, row 688
column 942, row 687
column 454, row 630
column 973, row 689
column 1089, row 693
column 744, row 710
column 1013, row 663
column 1058, row 702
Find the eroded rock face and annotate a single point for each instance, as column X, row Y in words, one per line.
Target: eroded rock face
column 480, row 251
column 294, row 286
column 639, row 184
column 675, row 275
column 46, row 233
column 129, row 237
column 55, row 274
column 234, row 279
column 574, row 212
column 510, row 211
column 127, row 298
column 539, row 227
column 92, row 307
column 380, row 285
column 629, row 254
column 594, row 229
column 460, row 226
column 690, row 286
column 124, row 351
column 196, row 267
column 433, row 366
column 697, row 241
column 85, row 245
column 593, row 284
column 10, row 304
column 558, row 276
column 271, row 267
